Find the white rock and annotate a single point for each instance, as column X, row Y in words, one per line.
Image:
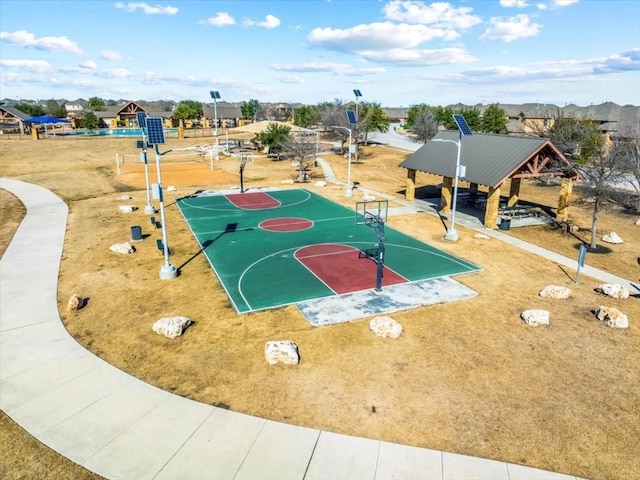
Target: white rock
column 385, row 327
column 535, row 317
column 612, row 237
column 123, row 197
column 123, row 248
column 287, row 182
column 128, row 208
column 320, row 183
column 75, row 303
column 172, row 327
column 281, row 351
column 637, row 222
column 614, row 290
column 612, row 317
column 172, row 189
column 555, row 291
column 481, row 236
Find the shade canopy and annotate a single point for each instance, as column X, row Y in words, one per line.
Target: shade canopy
column 46, row 119
column 262, row 126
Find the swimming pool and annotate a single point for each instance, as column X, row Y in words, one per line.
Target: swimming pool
column 114, row 132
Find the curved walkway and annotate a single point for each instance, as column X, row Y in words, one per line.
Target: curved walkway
column 122, row 428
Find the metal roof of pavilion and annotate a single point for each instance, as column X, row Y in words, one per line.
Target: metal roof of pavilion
column 489, row 159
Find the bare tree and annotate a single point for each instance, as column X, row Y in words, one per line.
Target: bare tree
column 629, row 136
column 301, row 148
column 603, row 173
column 425, row 125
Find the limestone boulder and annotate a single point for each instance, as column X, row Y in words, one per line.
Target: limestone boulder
column 172, row 327
column 172, row 188
column 75, row 303
column 122, row 248
column 555, row 291
column 612, row 237
column 481, row 236
column 637, row 222
column 535, row 317
column 612, row 317
column 385, row 327
column 320, row 183
column 123, row 197
column 128, row 208
column 281, row 351
column 287, row 182
column 614, row 290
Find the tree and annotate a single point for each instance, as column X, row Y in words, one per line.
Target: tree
column 307, row 116
column 372, row 118
column 414, row 112
column 275, row 137
column 54, row 109
column 494, row 120
column 301, row 148
column 603, row 172
column 96, row 104
column 424, row 124
column 31, row 109
column 188, row 110
column 629, row 137
column 333, row 114
column 90, row 121
column 444, row 116
column 250, row 108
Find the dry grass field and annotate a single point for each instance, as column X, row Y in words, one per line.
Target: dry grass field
column 468, row 377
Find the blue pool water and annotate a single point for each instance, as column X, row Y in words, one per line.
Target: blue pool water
column 114, row 132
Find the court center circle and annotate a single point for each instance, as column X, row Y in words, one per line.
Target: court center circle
column 286, row 224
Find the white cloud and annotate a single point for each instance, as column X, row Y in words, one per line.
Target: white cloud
column 89, row 65
column 327, row 67
column 118, row 73
column 269, row 22
column 440, row 14
column 147, row 9
column 292, row 79
column 36, row 66
column 513, row 28
column 23, row 38
column 376, row 36
column 416, row 57
column 222, row 19
column 563, row 3
column 513, row 3
column 110, row 55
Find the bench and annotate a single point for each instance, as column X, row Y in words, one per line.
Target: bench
column 518, row 211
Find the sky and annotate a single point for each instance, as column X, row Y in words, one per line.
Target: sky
column 398, row 53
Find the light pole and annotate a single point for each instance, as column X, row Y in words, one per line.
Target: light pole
column 358, row 94
column 463, row 129
column 348, row 191
column 216, row 96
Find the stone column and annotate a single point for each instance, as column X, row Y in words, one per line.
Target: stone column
column 566, row 188
column 446, row 194
column 514, row 192
column 410, row 193
column 491, row 209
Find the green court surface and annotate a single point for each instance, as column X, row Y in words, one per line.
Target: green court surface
column 251, row 241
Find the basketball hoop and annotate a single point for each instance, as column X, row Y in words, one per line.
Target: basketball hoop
column 243, row 159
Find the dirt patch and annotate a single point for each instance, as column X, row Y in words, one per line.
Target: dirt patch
column 467, row 377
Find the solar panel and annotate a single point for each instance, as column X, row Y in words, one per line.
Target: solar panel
column 155, row 131
column 351, row 117
column 214, row 94
column 142, row 120
column 462, row 124
column 357, row 93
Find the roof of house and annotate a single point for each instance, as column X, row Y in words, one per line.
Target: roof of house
column 223, row 111
column 489, row 159
column 13, row 112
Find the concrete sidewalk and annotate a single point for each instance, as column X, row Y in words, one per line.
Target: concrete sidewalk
column 122, row 428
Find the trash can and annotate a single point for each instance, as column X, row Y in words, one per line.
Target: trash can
column 136, row 233
column 505, row 223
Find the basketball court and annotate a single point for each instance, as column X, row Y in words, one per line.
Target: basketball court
column 270, row 248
